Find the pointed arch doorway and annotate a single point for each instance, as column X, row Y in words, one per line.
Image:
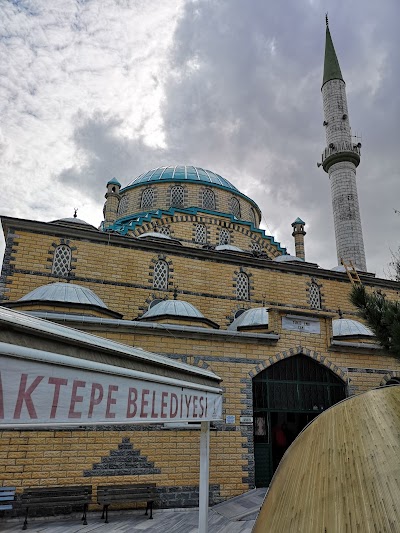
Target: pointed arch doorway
column 286, row 397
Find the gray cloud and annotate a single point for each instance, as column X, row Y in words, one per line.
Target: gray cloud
column 236, row 90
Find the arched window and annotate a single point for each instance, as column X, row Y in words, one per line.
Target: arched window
column 160, row 276
column 208, row 199
column 255, row 247
column 253, row 216
column 123, row 205
column 315, row 296
column 147, row 198
column 164, row 230
column 200, row 234
column 235, row 207
column 62, row 261
column 242, row 286
column 177, row 196
column 224, row 236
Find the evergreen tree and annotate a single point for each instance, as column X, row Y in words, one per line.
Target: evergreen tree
column 381, row 315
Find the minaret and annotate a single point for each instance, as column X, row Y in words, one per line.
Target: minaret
column 112, row 197
column 298, row 234
column 340, row 159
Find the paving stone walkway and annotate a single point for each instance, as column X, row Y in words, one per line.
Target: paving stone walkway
column 236, row 515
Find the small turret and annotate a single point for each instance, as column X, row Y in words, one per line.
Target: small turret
column 298, row 234
column 112, row 197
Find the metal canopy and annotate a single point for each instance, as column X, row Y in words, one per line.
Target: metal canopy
column 72, row 386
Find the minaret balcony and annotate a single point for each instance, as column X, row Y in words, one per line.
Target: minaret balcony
column 341, row 151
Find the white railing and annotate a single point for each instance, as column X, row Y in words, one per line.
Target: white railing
column 342, row 146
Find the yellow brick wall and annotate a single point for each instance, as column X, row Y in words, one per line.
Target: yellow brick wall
column 183, row 230
column 43, row 458
column 120, row 277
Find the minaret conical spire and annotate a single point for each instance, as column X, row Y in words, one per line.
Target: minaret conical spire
column 340, row 159
column 331, row 64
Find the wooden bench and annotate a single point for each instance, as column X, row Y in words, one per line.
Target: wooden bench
column 75, row 495
column 7, row 496
column 138, row 492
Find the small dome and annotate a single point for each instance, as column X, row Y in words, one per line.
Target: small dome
column 229, row 247
column 288, row 258
column 114, row 181
column 65, row 293
column 182, row 173
column 338, row 268
column 154, row 234
column 341, row 268
column 178, row 308
column 258, row 316
column 73, row 221
column 344, row 327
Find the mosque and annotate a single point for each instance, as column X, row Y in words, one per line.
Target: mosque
column 181, row 267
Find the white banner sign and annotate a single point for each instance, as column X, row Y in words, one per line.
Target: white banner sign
column 296, row 323
column 35, row 393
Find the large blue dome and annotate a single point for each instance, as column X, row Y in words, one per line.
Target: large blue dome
column 182, row 173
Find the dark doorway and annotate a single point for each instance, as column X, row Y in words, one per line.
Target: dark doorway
column 286, row 397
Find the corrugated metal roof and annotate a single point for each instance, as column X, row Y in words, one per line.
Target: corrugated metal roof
column 10, row 319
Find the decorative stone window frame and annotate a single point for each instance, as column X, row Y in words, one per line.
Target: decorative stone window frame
column 142, row 198
column 209, row 191
column 253, row 216
column 123, row 205
column 255, row 246
column 195, row 233
column 235, row 207
column 173, row 188
column 250, row 285
column 52, row 256
column 311, row 287
column 165, row 229
column 170, row 273
column 224, row 240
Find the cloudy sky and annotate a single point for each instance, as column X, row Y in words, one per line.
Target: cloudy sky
column 91, row 89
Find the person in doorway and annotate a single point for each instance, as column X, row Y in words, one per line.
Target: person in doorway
column 279, row 441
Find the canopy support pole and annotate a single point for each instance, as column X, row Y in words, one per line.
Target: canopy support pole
column 204, row 476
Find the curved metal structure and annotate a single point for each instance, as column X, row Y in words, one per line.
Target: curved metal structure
column 342, row 473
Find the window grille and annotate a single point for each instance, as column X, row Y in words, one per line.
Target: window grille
column 315, row 296
column 177, row 196
column 209, row 199
column 224, row 236
column 253, row 218
column 123, row 205
column 164, row 230
column 62, row 261
column 255, row 247
column 235, row 207
column 160, row 277
column 201, row 234
column 147, row 198
column 242, row 286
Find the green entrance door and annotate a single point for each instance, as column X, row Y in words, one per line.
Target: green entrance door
column 286, row 397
